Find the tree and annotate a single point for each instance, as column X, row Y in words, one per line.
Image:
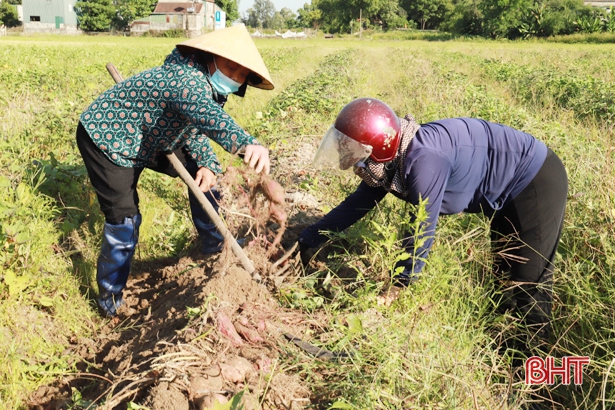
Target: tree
column 502, row 18
column 231, row 8
column 337, row 15
column 560, row 16
column 309, row 15
column 95, row 15
column 428, row 14
column 391, row 15
column 289, row 18
column 8, row 15
column 464, row 18
column 277, row 22
column 130, row 10
column 261, row 15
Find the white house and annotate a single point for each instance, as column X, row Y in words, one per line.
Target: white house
column 194, row 17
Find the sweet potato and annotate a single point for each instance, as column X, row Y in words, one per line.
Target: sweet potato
column 264, row 364
column 225, row 326
column 272, row 190
column 237, row 369
column 212, row 401
column 248, row 333
column 261, row 326
column 275, row 194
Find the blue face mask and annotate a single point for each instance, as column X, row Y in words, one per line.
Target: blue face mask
column 223, row 84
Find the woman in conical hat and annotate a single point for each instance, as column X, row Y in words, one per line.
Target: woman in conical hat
column 232, row 44
column 177, row 107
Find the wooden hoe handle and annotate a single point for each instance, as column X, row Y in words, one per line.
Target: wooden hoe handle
column 205, row 204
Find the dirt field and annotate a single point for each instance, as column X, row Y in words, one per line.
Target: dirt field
column 197, row 330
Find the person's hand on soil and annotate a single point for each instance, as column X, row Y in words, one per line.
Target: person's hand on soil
column 389, row 295
column 205, row 179
column 306, row 253
column 257, row 157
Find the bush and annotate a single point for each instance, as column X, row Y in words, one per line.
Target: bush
column 174, row 33
column 8, row 15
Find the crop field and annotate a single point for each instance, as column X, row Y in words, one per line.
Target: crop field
column 437, row 347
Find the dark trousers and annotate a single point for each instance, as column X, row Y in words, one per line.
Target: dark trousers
column 115, row 186
column 525, row 234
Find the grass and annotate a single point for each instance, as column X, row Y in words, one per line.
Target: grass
column 435, row 347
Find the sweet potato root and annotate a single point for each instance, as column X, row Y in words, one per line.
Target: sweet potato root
column 248, row 333
column 237, row 369
column 271, row 192
column 225, row 326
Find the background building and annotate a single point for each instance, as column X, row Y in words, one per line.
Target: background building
column 50, row 16
column 194, row 17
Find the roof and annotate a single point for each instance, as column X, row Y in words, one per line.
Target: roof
column 177, row 8
column 599, row 3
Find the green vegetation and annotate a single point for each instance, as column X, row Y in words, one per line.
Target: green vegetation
column 515, row 19
column 487, row 18
column 434, row 348
column 8, row 15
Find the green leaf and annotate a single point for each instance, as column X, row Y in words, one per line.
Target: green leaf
column 22, row 237
column 233, row 404
column 79, row 402
column 45, row 301
column 6, row 209
column 135, row 406
column 4, row 181
column 16, row 284
column 193, row 312
column 12, row 230
column 355, row 326
column 341, row 405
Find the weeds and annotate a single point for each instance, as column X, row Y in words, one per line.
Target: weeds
column 437, row 346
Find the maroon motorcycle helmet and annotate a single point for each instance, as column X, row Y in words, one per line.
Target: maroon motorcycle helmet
column 365, row 127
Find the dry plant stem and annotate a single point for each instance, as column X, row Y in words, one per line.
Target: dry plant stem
column 281, row 275
column 250, row 207
column 91, row 376
column 127, row 392
column 604, row 381
column 214, row 392
column 277, row 239
column 284, row 257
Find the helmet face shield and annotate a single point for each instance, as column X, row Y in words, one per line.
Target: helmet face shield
column 372, row 122
column 339, row 150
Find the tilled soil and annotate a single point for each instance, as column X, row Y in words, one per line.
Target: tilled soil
column 194, row 331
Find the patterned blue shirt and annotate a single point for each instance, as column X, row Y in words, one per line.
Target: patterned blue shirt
column 162, row 109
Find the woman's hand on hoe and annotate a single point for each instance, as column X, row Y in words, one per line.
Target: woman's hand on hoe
column 205, row 179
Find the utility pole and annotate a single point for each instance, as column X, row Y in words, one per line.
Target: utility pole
column 360, row 23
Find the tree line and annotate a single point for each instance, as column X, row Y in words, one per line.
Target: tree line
column 488, row 18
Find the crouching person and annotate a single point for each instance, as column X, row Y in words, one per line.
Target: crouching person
column 455, row 165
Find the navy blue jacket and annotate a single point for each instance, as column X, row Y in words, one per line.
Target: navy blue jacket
column 457, row 165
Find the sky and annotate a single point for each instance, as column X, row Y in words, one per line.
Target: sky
column 294, row 5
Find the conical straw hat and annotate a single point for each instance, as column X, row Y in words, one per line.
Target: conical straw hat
column 235, row 44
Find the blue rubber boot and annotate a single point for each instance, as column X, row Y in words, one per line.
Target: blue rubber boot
column 212, row 240
column 118, row 247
